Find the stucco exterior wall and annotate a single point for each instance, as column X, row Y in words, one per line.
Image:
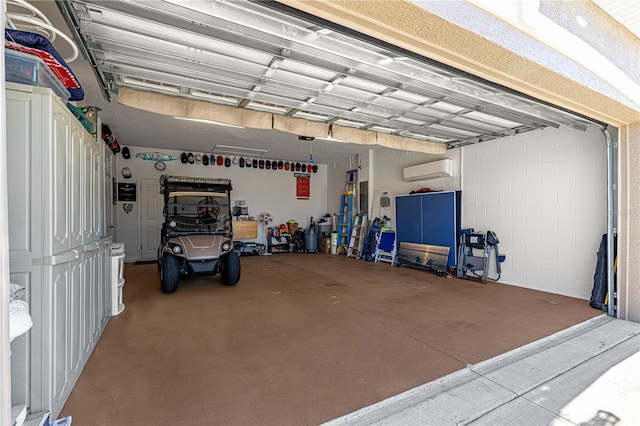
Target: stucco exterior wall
column 629, row 224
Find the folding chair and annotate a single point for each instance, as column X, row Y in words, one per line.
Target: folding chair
column 386, row 247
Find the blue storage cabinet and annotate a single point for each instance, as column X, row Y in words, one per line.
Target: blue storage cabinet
column 430, row 218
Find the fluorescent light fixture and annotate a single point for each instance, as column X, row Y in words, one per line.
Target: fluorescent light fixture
column 331, row 139
column 310, row 116
column 349, row 123
column 135, row 83
column 239, row 150
column 215, row 98
column 202, row 120
column 258, row 106
column 429, row 138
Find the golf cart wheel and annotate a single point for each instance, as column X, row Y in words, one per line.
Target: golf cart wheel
column 169, row 274
column 230, row 269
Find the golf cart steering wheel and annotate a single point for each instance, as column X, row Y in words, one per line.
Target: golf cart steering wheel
column 206, row 211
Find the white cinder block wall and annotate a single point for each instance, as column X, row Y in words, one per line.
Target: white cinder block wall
column 544, row 193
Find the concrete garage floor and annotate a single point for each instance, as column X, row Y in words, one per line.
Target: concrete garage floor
column 302, row 339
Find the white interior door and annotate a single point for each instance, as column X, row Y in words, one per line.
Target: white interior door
column 151, row 218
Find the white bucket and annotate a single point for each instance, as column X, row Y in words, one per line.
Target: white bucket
column 334, row 242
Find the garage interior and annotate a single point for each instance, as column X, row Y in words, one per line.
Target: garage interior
column 308, row 337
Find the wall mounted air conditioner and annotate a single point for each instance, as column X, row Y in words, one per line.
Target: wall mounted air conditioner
column 426, row 171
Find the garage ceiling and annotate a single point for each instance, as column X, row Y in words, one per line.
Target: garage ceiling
column 263, row 56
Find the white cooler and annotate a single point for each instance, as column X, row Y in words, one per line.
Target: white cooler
column 117, row 277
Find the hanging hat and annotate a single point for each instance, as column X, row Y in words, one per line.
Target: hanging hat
column 235, row 161
column 286, row 165
column 227, row 161
column 198, row 158
column 261, row 163
column 280, row 165
column 247, row 162
column 304, row 167
column 125, row 153
column 183, row 158
column 315, row 168
column 191, row 158
column 205, row 160
column 220, row 160
column 212, row 160
column 255, row 163
column 241, row 162
column 308, row 168
column 268, row 164
column 297, row 167
column 274, row 165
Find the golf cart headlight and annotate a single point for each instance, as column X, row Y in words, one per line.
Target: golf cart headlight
column 226, row 246
column 172, row 224
column 176, row 249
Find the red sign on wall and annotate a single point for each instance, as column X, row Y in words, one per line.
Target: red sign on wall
column 303, row 188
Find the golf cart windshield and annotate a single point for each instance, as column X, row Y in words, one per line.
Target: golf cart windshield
column 198, row 206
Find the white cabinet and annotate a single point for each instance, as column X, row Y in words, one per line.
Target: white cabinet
column 56, row 197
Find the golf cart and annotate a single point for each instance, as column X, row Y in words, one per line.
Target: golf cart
column 197, row 238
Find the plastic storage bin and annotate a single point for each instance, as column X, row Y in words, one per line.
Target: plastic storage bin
column 117, row 277
column 28, row 69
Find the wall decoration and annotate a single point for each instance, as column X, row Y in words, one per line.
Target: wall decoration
column 127, row 207
column 302, row 188
column 126, row 192
column 155, row 156
column 126, row 172
column 160, row 165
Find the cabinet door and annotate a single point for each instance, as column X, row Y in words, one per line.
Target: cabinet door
column 75, row 319
column 24, row 131
column 87, row 190
column 409, row 219
column 88, row 313
column 56, row 181
column 105, row 281
column 97, row 178
column 58, row 377
column 109, row 162
column 75, row 182
column 439, row 222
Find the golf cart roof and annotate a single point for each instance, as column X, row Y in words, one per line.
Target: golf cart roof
column 187, row 183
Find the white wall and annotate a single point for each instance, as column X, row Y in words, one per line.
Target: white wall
column 544, row 194
column 263, row 190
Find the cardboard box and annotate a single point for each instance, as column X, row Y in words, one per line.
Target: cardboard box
column 245, row 229
column 325, row 245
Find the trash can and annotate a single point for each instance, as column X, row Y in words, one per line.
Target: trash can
column 117, row 277
column 310, row 240
column 334, row 242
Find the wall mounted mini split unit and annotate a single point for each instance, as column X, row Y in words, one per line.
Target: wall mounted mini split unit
column 426, row 171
